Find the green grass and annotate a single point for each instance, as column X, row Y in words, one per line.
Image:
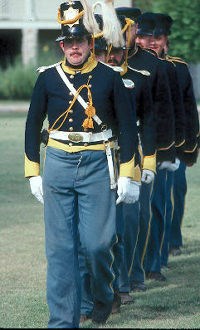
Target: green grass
column 172, row 304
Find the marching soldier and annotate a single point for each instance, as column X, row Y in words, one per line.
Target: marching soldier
column 83, row 101
column 188, row 150
column 137, row 81
column 144, row 60
column 157, row 41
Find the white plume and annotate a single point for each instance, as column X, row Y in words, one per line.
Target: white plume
column 111, row 25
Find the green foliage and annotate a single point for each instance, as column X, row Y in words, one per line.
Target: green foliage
column 17, row 80
column 184, row 40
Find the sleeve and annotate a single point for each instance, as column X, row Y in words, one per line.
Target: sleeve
column 177, row 99
column 34, row 122
column 165, row 123
column 147, row 127
column 124, row 104
column 191, row 146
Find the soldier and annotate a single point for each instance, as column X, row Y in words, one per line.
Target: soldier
column 164, row 178
column 82, row 100
column 137, row 81
column 144, row 60
column 188, row 150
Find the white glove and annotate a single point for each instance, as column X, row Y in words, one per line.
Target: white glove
column 36, row 187
column 164, row 165
column 128, row 190
column 169, row 166
column 174, row 166
column 147, row 176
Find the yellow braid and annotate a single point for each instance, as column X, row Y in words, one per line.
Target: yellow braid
column 70, row 21
column 90, row 111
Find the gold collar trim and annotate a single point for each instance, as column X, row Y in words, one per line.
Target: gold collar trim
column 87, row 67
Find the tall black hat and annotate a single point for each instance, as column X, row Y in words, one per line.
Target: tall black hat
column 70, row 16
column 163, row 23
column 146, row 24
column 129, row 12
column 100, row 42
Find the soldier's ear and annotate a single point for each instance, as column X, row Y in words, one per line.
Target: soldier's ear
column 61, row 43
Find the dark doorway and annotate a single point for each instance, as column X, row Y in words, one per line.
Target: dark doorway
column 10, row 46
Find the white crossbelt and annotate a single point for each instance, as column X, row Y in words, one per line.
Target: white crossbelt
column 77, row 137
column 74, row 91
column 88, row 137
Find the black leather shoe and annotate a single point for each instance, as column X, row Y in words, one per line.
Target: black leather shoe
column 126, row 298
column 138, row 286
column 175, row 251
column 157, row 276
column 101, row 312
column 116, row 303
column 84, row 318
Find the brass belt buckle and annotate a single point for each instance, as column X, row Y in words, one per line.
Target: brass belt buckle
column 75, row 137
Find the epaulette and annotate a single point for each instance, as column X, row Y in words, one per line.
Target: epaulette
column 143, row 72
column 151, row 51
column 115, row 68
column 168, row 60
column 44, row 68
column 175, row 59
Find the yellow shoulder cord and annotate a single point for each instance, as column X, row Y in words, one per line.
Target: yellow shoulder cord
column 108, row 52
column 127, row 28
column 89, row 111
column 69, row 21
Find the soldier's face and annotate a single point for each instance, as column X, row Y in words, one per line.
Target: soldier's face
column 76, row 50
column 142, row 41
column 158, row 44
column 115, row 57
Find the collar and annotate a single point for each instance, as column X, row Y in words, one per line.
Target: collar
column 133, row 51
column 88, row 66
column 124, row 67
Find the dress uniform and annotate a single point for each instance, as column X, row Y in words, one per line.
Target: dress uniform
column 162, row 28
column 83, row 104
column 128, row 215
column 187, row 154
column 145, row 61
column 164, row 179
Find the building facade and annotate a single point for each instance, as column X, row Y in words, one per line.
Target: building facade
column 26, row 26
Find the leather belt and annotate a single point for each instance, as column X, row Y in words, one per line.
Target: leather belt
column 77, row 137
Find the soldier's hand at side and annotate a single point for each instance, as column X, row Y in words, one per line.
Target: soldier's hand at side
column 36, row 187
column 147, row 176
column 128, row 190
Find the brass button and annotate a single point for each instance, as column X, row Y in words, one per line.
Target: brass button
column 72, row 76
column 70, row 144
column 71, row 111
column 70, row 120
column 90, row 76
column 85, row 130
column 70, row 102
column 71, row 129
column 70, row 93
column 85, row 144
column 90, row 86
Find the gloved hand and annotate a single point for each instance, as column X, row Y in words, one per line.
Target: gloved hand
column 169, row 166
column 147, row 176
column 36, row 187
column 128, row 190
column 164, row 165
column 174, row 166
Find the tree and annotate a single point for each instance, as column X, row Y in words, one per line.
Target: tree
column 184, row 39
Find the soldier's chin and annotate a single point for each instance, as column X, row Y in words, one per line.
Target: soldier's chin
column 113, row 63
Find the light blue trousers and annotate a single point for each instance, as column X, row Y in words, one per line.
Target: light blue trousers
column 77, row 182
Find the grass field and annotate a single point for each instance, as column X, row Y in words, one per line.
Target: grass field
column 173, row 304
